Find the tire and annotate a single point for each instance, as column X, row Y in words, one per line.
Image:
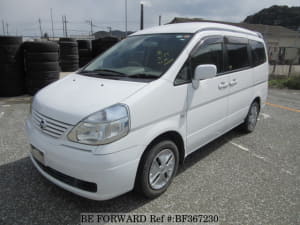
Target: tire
column 100, row 48
column 250, row 121
column 11, row 81
column 70, row 57
column 68, row 51
column 54, row 75
column 84, row 44
column 40, row 46
column 97, row 47
column 41, row 63
column 10, row 40
column 42, row 66
column 84, row 53
column 152, row 186
column 96, row 43
column 108, row 42
column 97, row 52
column 69, row 67
column 69, row 63
column 42, row 57
column 88, row 58
column 8, row 50
column 68, row 44
column 37, row 80
column 34, row 85
column 62, row 39
column 11, row 87
column 11, row 67
column 84, row 61
column 7, row 58
column 110, row 39
column 10, row 54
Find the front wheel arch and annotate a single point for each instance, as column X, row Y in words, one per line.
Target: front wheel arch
column 173, row 136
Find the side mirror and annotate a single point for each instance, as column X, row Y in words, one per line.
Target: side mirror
column 203, row 72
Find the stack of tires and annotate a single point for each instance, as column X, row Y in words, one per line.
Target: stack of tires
column 41, row 65
column 11, row 67
column 102, row 44
column 84, row 52
column 69, row 60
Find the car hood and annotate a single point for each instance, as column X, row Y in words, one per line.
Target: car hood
column 74, row 97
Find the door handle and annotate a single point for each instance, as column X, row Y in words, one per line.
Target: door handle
column 233, row 82
column 223, row 85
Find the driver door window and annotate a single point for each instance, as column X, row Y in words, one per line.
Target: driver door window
column 209, row 54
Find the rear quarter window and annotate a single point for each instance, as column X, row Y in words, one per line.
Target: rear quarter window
column 257, row 52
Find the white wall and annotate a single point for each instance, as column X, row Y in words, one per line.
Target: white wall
column 285, row 70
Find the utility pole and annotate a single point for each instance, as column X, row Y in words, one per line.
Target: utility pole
column 41, row 31
column 66, row 29
column 159, row 20
column 91, row 23
column 109, row 29
column 52, row 23
column 142, row 16
column 7, row 29
column 63, row 23
column 3, row 26
column 125, row 18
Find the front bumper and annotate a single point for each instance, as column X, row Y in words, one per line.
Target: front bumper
column 113, row 173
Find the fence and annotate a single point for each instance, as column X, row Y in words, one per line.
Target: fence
column 284, row 70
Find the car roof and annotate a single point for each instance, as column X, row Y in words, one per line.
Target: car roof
column 194, row 27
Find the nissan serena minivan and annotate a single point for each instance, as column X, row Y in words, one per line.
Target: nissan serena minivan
column 129, row 118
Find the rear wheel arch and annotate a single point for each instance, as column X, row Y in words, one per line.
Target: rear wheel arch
column 258, row 100
column 250, row 121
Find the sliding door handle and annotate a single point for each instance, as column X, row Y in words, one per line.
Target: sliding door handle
column 233, row 82
column 223, row 85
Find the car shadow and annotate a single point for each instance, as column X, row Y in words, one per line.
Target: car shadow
column 209, row 148
column 28, row 198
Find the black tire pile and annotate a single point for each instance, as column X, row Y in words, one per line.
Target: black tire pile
column 84, row 52
column 102, row 44
column 69, row 60
column 41, row 65
column 11, row 67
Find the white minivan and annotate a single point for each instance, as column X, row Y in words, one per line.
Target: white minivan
column 130, row 117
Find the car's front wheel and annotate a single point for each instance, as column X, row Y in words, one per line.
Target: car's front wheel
column 157, row 169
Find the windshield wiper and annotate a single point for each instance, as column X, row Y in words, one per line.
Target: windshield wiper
column 113, row 73
column 103, row 72
column 143, row 75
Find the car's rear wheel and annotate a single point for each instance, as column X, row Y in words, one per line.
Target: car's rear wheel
column 157, row 169
column 251, row 119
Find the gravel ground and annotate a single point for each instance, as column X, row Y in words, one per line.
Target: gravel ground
column 245, row 179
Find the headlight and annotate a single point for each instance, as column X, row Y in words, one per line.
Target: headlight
column 102, row 127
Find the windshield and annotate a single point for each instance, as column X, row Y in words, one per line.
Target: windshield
column 142, row 56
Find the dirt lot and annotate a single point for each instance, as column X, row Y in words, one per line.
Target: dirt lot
column 245, row 179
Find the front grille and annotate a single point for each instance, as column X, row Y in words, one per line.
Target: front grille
column 81, row 184
column 48, row 125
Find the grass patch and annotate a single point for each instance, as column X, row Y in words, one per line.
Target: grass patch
column 291, row 82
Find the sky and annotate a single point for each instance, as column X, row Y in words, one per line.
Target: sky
column 22, row 16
